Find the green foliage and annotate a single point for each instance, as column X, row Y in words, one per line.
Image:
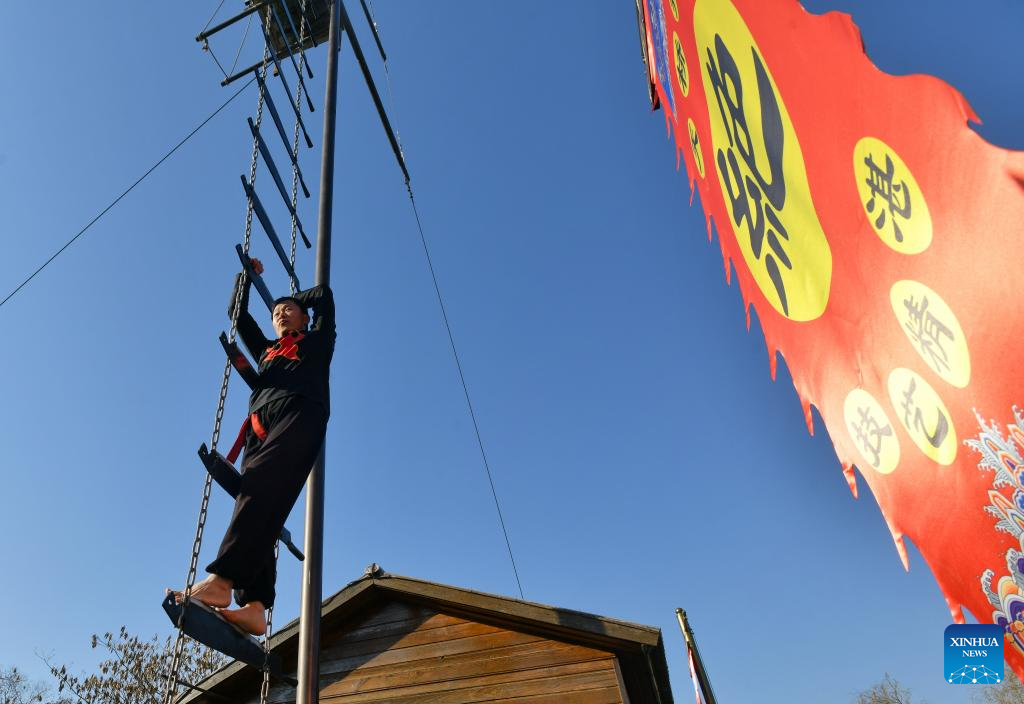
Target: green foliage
column 135, row 671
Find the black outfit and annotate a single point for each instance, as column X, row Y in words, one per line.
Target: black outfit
column 291, row 407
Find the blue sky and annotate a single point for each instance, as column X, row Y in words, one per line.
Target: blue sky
column 643, row 456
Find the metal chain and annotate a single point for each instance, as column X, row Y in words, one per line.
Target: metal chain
column 179, row 645
column 265, row 687
column 295, row 143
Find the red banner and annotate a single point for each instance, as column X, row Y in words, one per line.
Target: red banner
column 878, row 237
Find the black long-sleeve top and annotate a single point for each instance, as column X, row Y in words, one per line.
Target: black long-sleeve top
column 298, row 363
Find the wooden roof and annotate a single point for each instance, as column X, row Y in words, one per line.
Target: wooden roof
column 639, row 648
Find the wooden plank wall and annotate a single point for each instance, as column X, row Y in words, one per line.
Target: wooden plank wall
column 408, row 654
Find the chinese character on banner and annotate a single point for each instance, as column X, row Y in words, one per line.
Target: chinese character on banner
column 870, row 434
column 896, row 196
column 881, row 266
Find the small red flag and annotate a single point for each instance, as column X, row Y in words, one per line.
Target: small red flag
column 693, row 677
column 877, row 236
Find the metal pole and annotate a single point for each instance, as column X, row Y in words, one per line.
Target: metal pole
column 698, row 663
column 312, row 568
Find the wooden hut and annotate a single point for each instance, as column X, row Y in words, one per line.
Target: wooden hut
column 387, row 638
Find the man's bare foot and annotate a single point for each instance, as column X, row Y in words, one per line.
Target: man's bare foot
column 213, row 591
column 251, row 618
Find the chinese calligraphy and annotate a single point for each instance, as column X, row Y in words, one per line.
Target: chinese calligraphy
column 896, row 196
column 871, row 431
column 907, row 403
column 933, row 330
column 761, row 170
column 927, row 331
column 870, row 434
column 891, row 198
column 923, row 415
column 698, row 156
column 746, row 187
column 682, row 70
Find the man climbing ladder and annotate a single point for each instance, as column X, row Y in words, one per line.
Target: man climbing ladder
column 288, row 411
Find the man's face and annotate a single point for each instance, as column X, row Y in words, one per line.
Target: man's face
column 288, row 316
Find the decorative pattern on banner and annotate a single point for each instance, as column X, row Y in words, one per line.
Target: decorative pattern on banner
column 1002, row 456
column 870, row 228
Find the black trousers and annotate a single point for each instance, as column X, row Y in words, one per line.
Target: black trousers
column 274, row 471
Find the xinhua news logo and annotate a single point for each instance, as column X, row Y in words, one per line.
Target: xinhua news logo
column 973, row 654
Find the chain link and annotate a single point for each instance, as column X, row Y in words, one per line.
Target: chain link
column 265, row 687
column 295, row 142
column 179, row 645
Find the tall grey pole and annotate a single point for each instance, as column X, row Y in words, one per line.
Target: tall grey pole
column 312, row 567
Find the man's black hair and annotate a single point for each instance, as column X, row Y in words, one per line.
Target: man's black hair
column 282, row 299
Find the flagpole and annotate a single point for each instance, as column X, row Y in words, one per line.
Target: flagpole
column 698, row 664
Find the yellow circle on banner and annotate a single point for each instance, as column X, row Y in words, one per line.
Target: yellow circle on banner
column 698, row 155
column 761, row 169
column 871, row 431
column 891, row 198
column 923, row 414
column 682, row 68
column 674, row 6
column 933, row 330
